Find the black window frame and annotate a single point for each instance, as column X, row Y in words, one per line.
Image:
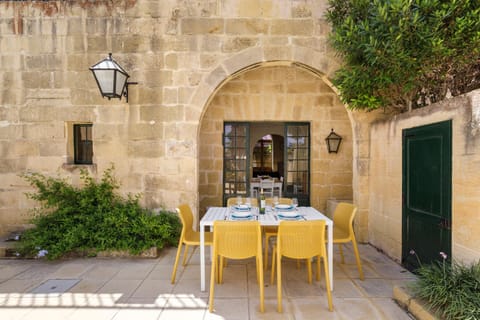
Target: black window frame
column 83, row 146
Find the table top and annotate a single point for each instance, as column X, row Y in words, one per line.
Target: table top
column 270, row 218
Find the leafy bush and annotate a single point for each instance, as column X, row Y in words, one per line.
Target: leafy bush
column 92, row 217
column 405, row 54
column 450, row 289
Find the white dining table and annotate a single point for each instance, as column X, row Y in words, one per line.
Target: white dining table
column 270, row 218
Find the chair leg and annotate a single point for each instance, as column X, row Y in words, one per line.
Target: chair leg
column 177, row 257
column 327, row 283
column 341, row 252
column 212, row 283
column 309, row 270
column 260, row 282
column 220, row 260
column 279, row 283
column 265, row 254
column 318, row 269
column 272, row 274
column 357, row 257
column 185, row 255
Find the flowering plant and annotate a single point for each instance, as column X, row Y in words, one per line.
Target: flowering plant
column 452, row 290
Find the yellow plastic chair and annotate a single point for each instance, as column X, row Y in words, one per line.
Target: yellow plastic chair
column 233, row 201
column 188, row 237
column 343, row 231
column 236, row 240
column 300, row 240
column 271, row 231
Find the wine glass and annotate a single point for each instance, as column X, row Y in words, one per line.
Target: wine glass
column 239, row 200
column 295, row 202
column 248, row 202
column 275, row 201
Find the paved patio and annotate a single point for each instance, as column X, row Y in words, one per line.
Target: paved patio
column 114, row 289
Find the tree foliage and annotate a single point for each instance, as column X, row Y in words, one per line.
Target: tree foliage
column 405, row 53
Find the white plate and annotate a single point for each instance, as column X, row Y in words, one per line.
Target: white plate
column 288, row 214
column 242, row 207
column 283, row 207
column 241, row 214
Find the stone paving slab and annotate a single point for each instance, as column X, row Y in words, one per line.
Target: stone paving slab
column 124, row 288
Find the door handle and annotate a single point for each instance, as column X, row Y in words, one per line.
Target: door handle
column 445, row 224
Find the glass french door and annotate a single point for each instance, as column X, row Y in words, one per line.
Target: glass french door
column 297, row 169
column 237, row 161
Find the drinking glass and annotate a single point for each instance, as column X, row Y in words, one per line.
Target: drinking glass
column 239, row 200
column 295, row 202
column 275, row 201
column 248, row 202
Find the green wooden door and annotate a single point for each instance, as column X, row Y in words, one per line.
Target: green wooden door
column 427, row 185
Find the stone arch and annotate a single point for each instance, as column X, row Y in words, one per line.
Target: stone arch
column 305, row 59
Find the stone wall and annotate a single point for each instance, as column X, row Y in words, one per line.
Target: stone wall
column 385, row 215
column 279, row 93
column 180, row 52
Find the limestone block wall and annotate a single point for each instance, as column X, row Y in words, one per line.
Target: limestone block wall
column 279, row 93
column 385, row 182
column 180, row 52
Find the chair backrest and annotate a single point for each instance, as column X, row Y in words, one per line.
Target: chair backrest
column 267, row 185
column 237, row 239
column 343, row 217
column 269, row 201
column 186, row 217
column 301, row 239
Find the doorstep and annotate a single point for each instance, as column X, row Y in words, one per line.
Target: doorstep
column 405, row 299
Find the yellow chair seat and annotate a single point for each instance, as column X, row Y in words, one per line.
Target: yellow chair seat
column 236, row 240
column 343, row 231
column 300, row 240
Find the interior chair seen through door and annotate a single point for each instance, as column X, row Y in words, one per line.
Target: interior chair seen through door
column 343, row 231
column 188, row 236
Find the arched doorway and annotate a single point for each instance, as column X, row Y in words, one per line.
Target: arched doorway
column 278, row 94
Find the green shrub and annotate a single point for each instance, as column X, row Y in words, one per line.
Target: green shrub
column 92, row 217
column 450, row 289
column 405, row 53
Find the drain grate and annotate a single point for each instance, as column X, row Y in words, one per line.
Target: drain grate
column 55, row 286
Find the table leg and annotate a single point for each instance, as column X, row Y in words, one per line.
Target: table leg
column 330, row 254
column 202, row 257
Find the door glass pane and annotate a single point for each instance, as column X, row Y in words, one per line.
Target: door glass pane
column 298, row 164
column 235, row 159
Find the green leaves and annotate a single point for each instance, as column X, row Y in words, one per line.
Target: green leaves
column 453, row 290
column 405, row 52
column 93, row 217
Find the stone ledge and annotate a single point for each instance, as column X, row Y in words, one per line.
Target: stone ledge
column 412, row 305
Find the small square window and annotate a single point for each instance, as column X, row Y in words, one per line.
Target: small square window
column 83, row 144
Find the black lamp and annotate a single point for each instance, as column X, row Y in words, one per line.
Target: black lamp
column 333, row 142
column 111, row 78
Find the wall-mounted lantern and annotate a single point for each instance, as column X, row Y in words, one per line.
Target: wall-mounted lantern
column 333, row 142
column 111, row 78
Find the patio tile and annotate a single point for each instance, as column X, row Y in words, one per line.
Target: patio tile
column 345, row 288
column 164, row 272
column 124, row 288
column 312, row 308
column 88, row 286
column 19, row 285
column 390, row 309
column 152, row 288
column 360, row 309
column 93, row 314
column 136, row 313
column 376, row 288
column 229, row 308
